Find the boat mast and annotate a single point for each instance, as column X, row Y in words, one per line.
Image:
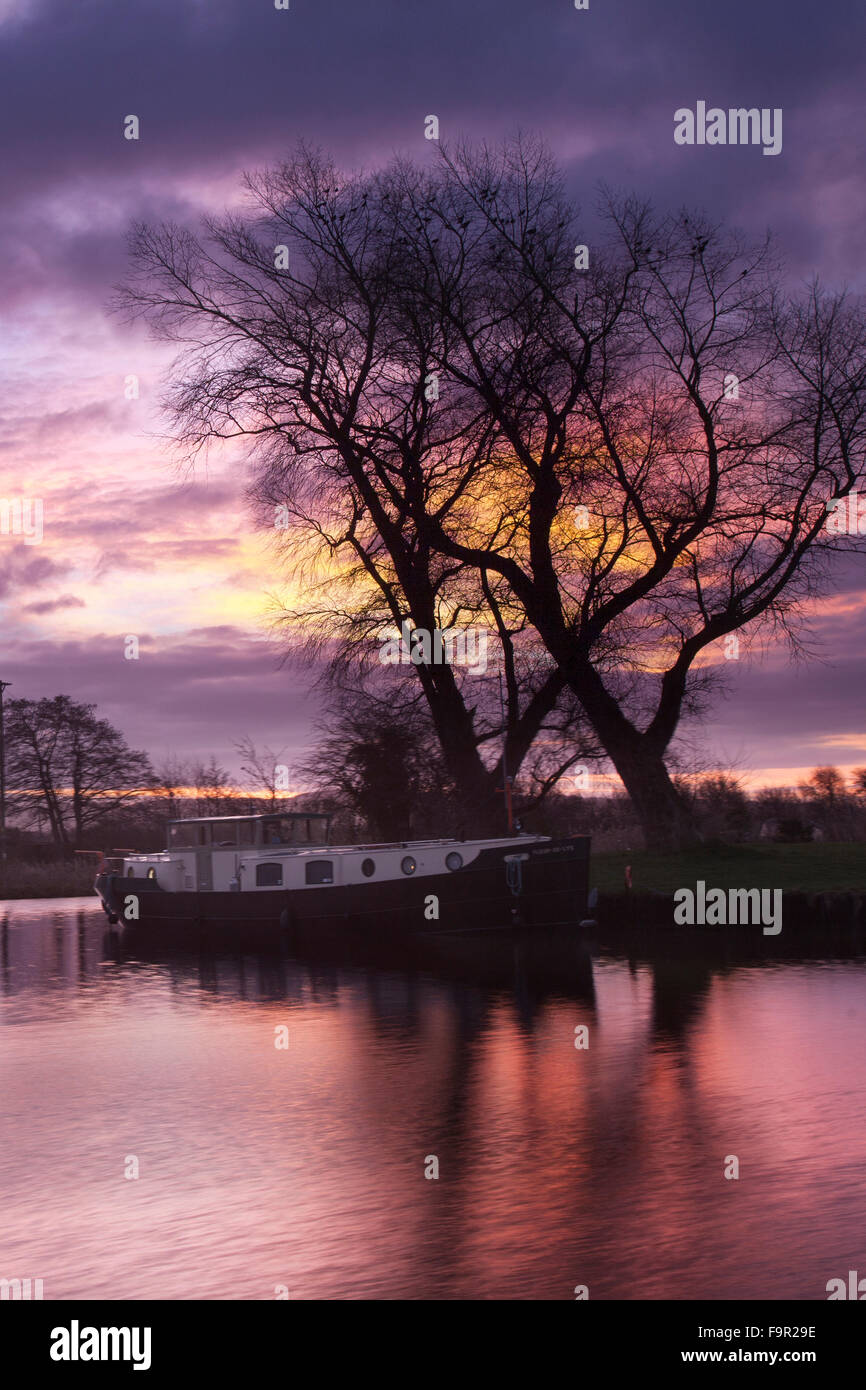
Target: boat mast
column 506, row 780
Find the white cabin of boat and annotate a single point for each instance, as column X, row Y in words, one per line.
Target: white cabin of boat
column 291, row 850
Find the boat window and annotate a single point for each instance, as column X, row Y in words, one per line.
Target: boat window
column 151, row 873
column 246, row 833
column 130, row 873
column 319, row 871
column 408, row 865
column 368, row 867
column 225, row 834
column 278, row 831
column 202, row 834
column 269, row 875
column 182, row 835
column 454, row 861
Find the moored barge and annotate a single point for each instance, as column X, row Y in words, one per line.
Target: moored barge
column 277, row 875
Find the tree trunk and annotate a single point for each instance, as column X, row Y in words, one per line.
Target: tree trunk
column 476, row 812
column 665, row 819
column 480, row 806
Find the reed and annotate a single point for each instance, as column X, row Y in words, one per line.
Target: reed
column 21, row 878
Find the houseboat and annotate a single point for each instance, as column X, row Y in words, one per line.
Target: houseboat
column 277, row 876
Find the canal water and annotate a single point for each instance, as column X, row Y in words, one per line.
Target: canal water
column 306, row 1169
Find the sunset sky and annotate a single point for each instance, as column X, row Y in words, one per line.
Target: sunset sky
column 132, row 547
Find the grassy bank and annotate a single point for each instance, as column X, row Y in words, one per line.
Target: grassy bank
column 810, row 868
column 818, row 868
column 64, row 880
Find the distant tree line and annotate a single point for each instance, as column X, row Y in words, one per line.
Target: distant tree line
column 828, row 805
column 74, row 783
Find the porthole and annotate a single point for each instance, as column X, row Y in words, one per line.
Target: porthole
column 368, row 867
column 408, row 865
column 454, row 861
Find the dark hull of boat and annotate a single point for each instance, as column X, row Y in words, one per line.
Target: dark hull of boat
column 548, row 888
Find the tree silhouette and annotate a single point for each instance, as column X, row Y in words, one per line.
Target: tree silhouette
column 629, row 460
column 68, row 769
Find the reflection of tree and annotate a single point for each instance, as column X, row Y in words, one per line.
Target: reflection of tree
column 679, row 993
column 5, row 972
column 600, row 1162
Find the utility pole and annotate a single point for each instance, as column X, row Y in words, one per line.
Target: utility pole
column 4, row 685
column 506, row 780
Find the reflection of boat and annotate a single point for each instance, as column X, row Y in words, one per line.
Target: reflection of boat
column 278, row 871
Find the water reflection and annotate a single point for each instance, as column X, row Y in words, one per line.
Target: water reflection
column 305, row 1166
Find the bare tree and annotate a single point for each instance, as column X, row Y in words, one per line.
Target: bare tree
column 306, row 361
column 68, row 769
column 628, row 459
column 697, row 420
column 265, row 771
column 374, row 758
column 827, row 785
column 214, row 793
column 173, row 781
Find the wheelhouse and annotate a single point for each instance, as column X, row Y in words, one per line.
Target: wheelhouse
column 290, row 829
